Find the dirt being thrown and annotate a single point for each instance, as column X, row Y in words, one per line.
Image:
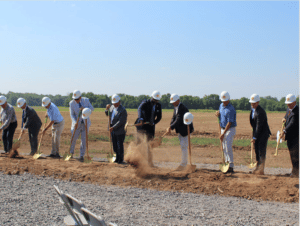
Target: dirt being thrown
column 13, row 153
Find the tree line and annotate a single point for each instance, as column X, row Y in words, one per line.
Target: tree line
column 211, row 101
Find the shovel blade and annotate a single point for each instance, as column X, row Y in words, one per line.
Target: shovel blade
column 224, row 167
column 190, row 168
column 36, row 156
column 87, row 159
column 67, row 157
column 252, row 165
column 16, row 145
column 112, row 159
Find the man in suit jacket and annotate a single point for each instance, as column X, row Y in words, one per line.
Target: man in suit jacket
column 32, row 122
column 180, row 128
column 291, row 132
column 8, row 119
column 117, row 123
column 261, row 132
column 149, row 111
column 77, row 105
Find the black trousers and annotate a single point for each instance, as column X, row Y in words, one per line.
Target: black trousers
column 118, row 146
column 293, row 146
column 261, row 149
column 33, row 138
column 8, row 136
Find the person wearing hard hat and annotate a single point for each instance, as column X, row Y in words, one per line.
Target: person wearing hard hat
column 75, row 106
column 8, row 119
column 117, row 126
column 260, row 132
column 180, row 127
column 149, row 114
column 291, row 132
column 227, row 116
column 30, row 121
column 57, row 122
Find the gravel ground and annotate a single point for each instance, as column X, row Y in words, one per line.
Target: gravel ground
column 29, row 200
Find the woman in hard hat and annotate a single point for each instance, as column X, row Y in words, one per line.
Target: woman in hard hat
column 8, row 119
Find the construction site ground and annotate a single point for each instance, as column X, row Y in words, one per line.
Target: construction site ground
column 276, row 186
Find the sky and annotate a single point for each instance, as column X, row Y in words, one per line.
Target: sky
column 135, row 47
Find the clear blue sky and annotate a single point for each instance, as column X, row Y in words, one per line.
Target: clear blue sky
column 189, row 48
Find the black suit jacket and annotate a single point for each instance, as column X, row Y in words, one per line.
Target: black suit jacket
column 31, row 119
column 144, row 111
column 292, row 124
column 177, row 121
column 260, row 123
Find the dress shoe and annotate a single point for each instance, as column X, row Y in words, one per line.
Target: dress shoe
column 51, row 156
column 230, row 170
column 32, row 153
column 81, row 159
column 57, row 155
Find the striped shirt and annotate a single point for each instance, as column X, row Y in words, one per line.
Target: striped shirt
column 7, row 116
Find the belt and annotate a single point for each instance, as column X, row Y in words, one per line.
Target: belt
column 56, row 123
column 222, row 127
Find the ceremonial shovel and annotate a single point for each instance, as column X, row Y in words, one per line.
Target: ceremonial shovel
column 224, row 166
column 190, row 168
column 17, row 144
column 112, row 157
column 67, row 156
column 278, row 139
column 38, row 154
column 252, row 164
column 87, row 159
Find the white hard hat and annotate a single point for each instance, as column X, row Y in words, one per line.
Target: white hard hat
column 290, row 99
column 86, row 112
column 21, row 102
column 188, row 118
column 2, row 100
column 115, row 98
column 225, row 96
column 174, row 97
column 45, row 101
column 254, row 98
column 76, row 94
column 156, row 95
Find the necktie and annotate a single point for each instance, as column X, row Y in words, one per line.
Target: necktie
column 79, row 110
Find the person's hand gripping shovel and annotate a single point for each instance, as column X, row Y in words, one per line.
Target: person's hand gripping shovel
column 224, row 166
column 38, row 153
column 86, row 112
column 187, row 120
column 279, row 138
column 68, row 155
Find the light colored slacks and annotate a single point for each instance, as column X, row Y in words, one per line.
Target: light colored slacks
column 80, row 131
column 184, row 143
column 56, row 133
column 227, row 145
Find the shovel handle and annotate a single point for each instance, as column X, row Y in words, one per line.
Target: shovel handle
column 86, row 139
column 42, row 134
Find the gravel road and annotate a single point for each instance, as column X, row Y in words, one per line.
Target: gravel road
column 29, row 200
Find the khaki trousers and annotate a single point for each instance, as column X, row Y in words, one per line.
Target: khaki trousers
column 56, row 133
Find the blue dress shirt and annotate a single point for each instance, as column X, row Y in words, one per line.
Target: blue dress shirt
column 227, row 114
column 54, row 114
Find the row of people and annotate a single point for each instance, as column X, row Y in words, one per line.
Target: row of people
column 149, row 114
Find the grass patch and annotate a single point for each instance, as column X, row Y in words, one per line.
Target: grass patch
column 95, row 137
column 102, row 151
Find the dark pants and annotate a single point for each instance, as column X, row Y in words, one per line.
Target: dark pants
column 8, row 135
column 261, row 148
column 33, row 138
column 293, row 146
column 118, row 146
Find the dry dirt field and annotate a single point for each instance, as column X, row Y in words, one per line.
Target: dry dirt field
column 240, row 184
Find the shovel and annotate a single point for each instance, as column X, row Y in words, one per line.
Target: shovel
column 67, row 156
column 278, row 139
column 190, row 168
column 252, row 164
column 13, row 151
column 17, row 144
column 87, row 159
column 112, row 157
column 156, row 142
column 38, row 154
column 224, row 166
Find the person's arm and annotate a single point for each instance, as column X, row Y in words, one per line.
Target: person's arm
column 179, row 119
column 140, row 111
column 225, row 130
column 90, row 106
column 292, row 124
column 49, row 125
column 158, row 114
column 260, row 122
column 72, row 114
column 29, row 117
column 8, row 119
